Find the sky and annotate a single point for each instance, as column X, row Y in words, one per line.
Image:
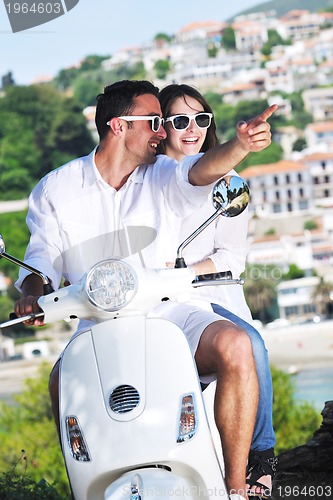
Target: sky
column 99, row 27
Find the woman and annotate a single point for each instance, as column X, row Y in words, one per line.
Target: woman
column 190, row 127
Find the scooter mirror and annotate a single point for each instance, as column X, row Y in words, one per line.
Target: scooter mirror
column 47, row 287
column 231, row 195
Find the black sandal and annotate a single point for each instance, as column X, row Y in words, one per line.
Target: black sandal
column 260, row 463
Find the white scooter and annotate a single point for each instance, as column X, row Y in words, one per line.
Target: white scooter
column 134, row 423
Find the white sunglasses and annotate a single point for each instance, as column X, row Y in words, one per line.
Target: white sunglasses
column 156, row 121
column 182, row 122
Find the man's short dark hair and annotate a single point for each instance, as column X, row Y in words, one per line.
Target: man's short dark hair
column 118, row 100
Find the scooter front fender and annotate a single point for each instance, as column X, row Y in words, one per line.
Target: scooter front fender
column 153, row 357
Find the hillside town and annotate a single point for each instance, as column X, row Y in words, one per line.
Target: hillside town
column 291, row 200
column 291, row 208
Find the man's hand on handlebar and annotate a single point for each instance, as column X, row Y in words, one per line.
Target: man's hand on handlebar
column 28, row 305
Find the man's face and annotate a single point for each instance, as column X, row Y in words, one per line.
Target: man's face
column 140, row 140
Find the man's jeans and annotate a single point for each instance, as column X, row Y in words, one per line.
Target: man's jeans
column 263, row 436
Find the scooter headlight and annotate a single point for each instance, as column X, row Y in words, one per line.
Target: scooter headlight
column 111, row 284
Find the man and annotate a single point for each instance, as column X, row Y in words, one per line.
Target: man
column 120, row 184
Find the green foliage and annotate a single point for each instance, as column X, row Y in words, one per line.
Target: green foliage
column 270, row 232
column 310, row 225
column 85, row 91
column 228, row 41
column 163, row 36
column 21, row 487
column 92, row 62
column 37, row 114
column 162, row 68
column 294, row 272
column 16, row 236
column 213, row 99
column 6, row 307
column 260, row 291
column 66, row 77
column 299, row 144
column 28, row 425
column 272, row 154
column 212, row 49
column 274, row 38
column 294, row 422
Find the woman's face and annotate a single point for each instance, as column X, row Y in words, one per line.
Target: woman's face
column 180, row 143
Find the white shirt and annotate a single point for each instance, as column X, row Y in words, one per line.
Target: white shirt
column 76, row 219
column 225, row 242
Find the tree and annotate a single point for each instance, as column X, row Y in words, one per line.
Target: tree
column 299, row 144
column 7, row 80
column 85, row 91
column 310, row 225
column 294, row 423
column 31, row 121
column 92, row 62
column 323, row 297
column 162, row 68
column 260, row 294
column 274, row 38
column 294, row 272
column 65, row 78
column 162, row 36
column 212, row 49
column 228, row 40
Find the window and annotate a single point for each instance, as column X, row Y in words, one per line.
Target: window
column 309, row 308
column 291, row 311
column 276, row 180
column 303, row 205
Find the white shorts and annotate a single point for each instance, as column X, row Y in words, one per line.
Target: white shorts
column 192, row 319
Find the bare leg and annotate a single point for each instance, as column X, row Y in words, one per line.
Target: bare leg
column 226, row 350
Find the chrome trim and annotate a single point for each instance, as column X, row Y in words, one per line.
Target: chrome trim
column 124, row 399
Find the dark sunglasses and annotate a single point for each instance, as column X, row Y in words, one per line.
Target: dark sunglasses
column 182, row 122
column 156, row 121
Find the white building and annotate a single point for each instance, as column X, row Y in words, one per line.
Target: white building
column 284, row 186
column 319, row 133
column 295, row 298
column 319, row 102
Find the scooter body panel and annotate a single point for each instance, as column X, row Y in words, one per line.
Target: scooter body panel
column 151, row 355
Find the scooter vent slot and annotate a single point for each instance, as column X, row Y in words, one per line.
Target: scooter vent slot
column 124, row 398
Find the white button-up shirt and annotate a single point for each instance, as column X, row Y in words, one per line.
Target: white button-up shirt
column 225, row 243
column 76, row 219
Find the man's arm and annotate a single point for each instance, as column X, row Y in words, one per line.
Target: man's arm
column 253, row 136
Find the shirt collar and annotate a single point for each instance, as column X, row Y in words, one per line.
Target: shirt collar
column 91, row 174
column 90, row 171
